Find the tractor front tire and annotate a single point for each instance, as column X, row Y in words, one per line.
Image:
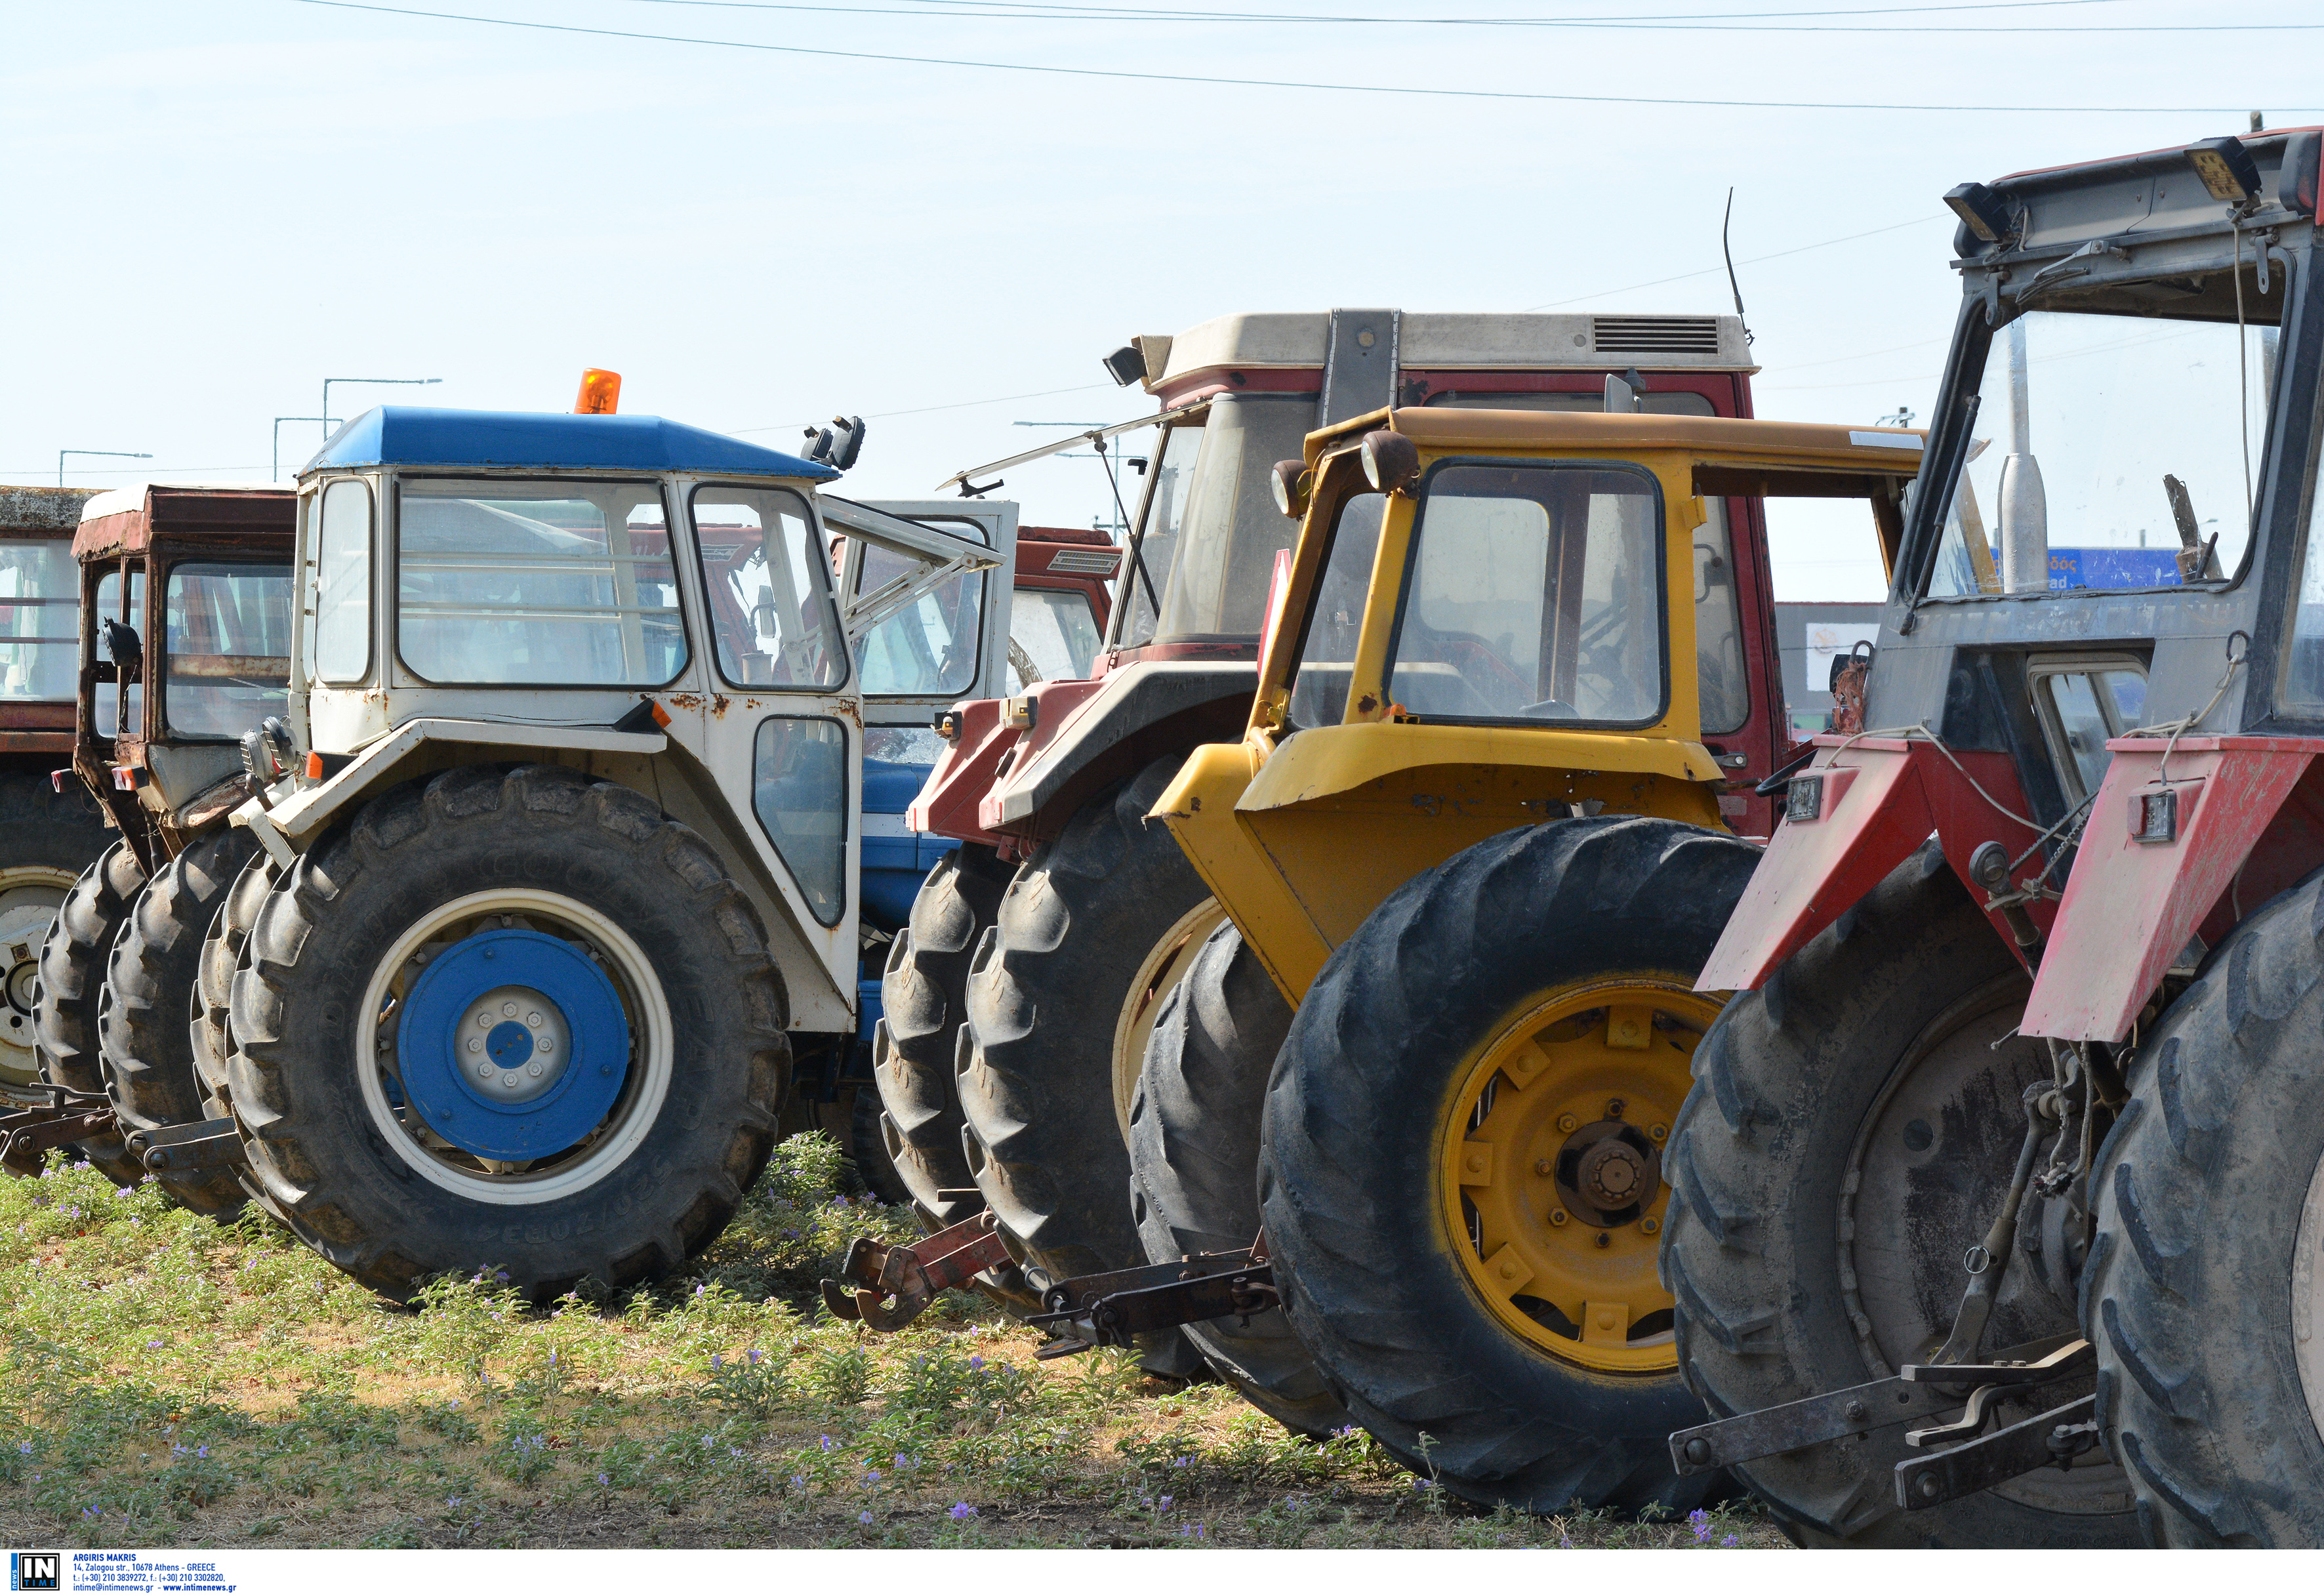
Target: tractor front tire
column 1853, row 1129
column 72, row 990
column 633, row 1056
column 147, row 1046
column 2205, row 1292
column 1506, row 1034
column 48, row 839
column 1194, row 1164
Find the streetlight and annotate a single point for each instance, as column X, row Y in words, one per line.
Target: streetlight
column 386, row 382
column 326, row 421
column 108, row 454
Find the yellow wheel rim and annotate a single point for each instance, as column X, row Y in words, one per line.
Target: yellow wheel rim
column 1550, row 1174
column 1165, row 965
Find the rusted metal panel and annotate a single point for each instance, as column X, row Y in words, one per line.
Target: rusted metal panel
column 2131, row 905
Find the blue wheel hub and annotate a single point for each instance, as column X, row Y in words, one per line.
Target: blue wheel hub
column 513, row 1044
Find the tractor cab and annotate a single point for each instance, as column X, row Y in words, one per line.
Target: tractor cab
column 186, row 591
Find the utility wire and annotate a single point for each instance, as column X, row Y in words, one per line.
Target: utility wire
column 1379, row 88
column 1676, row 16
column 1606, row 293
column 931, row 409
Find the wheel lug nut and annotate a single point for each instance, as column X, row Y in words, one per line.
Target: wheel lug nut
column 1557, row 1217
column 1614, row 1107
column 1542, row 1165
column 507, row 1081
column 509, row 1009
column 1568, row 1123
column 476, row 1044
column 1659, row 1133
column 1650, row 1225
column 533, row 1018
column 1604, row 1240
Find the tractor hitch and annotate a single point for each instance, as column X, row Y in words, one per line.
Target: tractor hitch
column 1921, row 1390
column 877, row 1275
column 204, row 1144
column 2054, row 1438
column 1112, row 1309
column 28, row 1132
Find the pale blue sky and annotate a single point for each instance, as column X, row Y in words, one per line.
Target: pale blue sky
column 214, row 206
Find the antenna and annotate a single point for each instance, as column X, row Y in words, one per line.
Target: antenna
column 1733, row 287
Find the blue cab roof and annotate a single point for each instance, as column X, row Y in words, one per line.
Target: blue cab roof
column 411, row 435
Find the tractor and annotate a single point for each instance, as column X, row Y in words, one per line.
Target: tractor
column 1020, row 1001
column 1518, row 696
column 1999, row 1190
column 48, row 832
column 554, row 861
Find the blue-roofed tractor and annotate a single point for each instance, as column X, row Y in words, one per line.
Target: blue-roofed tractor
column 559, row 866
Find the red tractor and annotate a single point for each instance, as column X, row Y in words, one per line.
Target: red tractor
column 2000, row 1192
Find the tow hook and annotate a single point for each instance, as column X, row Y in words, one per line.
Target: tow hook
column 888, row 1287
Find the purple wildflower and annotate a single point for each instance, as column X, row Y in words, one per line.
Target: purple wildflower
column 961, row 1510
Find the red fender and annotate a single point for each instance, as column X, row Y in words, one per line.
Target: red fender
column 2131, row 905
column 1881, row 799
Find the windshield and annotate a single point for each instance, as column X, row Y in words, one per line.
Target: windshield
column 927, row 646
column 39, row 598
column 2105, row 446
column 1327, row 656
column 1534, row 594
column 1052, row 637
column 1212, row 527
column 562, row 584
column 110, row 716
column 228, row 663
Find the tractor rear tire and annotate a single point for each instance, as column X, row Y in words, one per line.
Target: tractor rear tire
column 636, row 977
column 1062, row 993
column 2202, row 1294
column 923, row 993
column 867, row 1147
column 1193, row 1163
column 72, row 990
column 146, row 1045
column 1500, row 1022
column 1852, row 1132
column 47, row 840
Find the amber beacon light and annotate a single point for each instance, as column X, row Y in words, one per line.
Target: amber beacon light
column 601, row 393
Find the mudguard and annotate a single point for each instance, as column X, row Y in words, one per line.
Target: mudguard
column 2133, row 901
column 1875, row 799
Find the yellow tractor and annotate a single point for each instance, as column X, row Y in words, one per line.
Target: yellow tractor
column 1486, row 822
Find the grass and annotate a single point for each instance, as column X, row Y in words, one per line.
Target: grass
column 166, row 1380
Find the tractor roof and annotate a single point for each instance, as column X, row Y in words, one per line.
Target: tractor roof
column 1456, row 342
column 41, row 511
column 1785, row 447
column 200, row 516
column 406, row 435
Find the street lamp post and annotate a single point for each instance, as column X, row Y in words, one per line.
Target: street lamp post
column 108, row 454
column 277, row 475
column 382, row 382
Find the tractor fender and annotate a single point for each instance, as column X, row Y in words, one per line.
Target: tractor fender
column 296, row 813
column 1199, row 807
column 945, row 806
column 2228, row 823
column 1854, row 815
column 1128, row 719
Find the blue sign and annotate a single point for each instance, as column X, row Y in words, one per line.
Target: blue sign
column 2113, row 568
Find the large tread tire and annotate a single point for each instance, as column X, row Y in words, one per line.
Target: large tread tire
column 48, row 838
column 72, row 990
column 923, row 994
column 150, row 976
column 1194, row 1162
column 2200, row 1292
column 320, row 937
column 867, row 1147
column 1046, row 990
column 1376, row 1283
column 226, row 950
column 1769, row 1309
column 41, row 825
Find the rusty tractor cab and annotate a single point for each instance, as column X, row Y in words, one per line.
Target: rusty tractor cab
column 915, row 662
column 1999, row 1193
column 184, row 653
column 1063, row 904
column 48, row 831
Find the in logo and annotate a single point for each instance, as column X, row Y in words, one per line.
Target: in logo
column 35, row 1570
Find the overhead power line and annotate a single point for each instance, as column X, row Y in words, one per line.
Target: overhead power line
column 1120, row 75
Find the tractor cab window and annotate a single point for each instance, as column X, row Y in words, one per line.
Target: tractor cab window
column 338, row 547
column 2120, row 445
column 113, row 712
column 552, row 584
column 2080, row 703
column 930, row 646
column 770, row 589
column 1726, row 697
column 1144, row 577
column 1212, row 527
column 227, row 663
column 38, row 624
column 1534, row 594
column 1336, row 617
column 1052, row 637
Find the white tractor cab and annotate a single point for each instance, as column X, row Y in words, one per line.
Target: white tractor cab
column 559, row 852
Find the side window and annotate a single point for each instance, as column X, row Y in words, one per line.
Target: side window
column 2081, row 704
column 1533, row 593
column 341, row 645
column 1718, row 626
column 799, row 788
column 228, row 660
column 770, row 589
column 562, row 584
column 1327, row 659
column 1052, row 637
column 113, row 715
column 39, row 593
column 928, row 648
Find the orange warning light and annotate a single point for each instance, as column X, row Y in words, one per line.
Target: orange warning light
column 601, row 393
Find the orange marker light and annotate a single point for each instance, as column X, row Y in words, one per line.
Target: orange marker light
column 600, row 392
column 314, row 767
column 662, row 715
